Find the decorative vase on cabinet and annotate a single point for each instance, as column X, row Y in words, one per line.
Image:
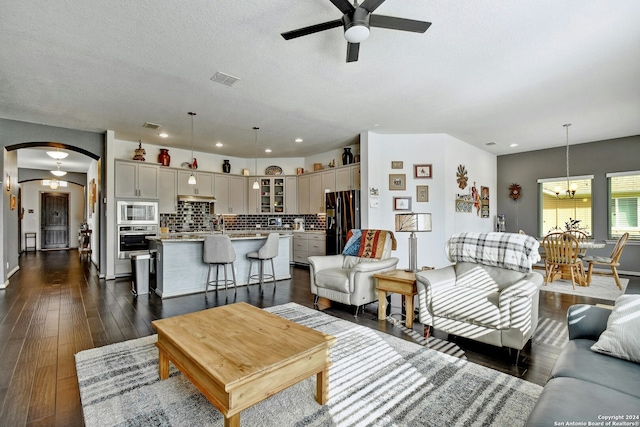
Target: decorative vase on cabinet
column 226, row 166
column 347, row 157
column 164, row 158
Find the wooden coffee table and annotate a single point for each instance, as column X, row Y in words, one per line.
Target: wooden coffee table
column 400, row 282
column 238, row 355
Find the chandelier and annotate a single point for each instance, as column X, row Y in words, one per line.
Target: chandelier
column 570, row 192
column 58, row 172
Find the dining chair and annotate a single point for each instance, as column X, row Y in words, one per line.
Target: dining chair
column 543, row 254
column 561, row 250
column 582, row 237
column 612, row 261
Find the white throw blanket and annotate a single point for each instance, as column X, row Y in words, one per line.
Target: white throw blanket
column 506, row 250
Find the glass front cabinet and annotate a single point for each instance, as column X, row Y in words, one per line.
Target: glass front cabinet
column 270, row 197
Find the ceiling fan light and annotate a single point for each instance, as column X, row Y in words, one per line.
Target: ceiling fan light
column 356, row 26
column 356, row 33
column 58, row 155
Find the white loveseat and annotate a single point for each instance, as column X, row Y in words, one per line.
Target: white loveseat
column 489, row 294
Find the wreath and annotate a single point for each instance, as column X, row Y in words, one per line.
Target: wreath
column 515, row 191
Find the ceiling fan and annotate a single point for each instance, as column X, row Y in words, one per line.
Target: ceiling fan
column 356, row 22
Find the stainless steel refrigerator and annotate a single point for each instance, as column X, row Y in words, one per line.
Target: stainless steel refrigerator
column 343, row 214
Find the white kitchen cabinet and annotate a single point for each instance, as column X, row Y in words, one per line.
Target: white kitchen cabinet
column 291, row 194
column 230, row 193
column 304, row 194
column 136, row 180
column 308, row 244
column 168, row 197
column 348, row 178
column 316, row 194
column 204, row 185
column 355, row 177
column 238, row 194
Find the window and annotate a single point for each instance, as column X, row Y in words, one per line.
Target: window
column 556, row 213
column 624, row 204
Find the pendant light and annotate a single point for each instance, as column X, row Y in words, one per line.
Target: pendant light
column 570, row 192
column 192, row 178
column 58, row 155
column 256, row 186
column 58, row 172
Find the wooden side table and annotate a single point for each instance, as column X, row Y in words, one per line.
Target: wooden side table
column 400, row 282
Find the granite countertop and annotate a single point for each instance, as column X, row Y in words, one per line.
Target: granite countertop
column 200, row 236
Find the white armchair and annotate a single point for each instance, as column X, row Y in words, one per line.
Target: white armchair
column 489, row 295
column 349, row 279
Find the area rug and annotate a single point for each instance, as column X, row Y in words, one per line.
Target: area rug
column 601, row 287
column 431, row 342
column 375, row 380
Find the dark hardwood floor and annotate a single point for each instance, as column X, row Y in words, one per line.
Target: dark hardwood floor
column 56, row 306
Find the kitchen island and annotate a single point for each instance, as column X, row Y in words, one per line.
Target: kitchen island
column 181, row 271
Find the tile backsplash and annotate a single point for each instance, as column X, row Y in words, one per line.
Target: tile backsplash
column 193, row 216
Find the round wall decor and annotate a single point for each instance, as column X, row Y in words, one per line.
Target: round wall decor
column 515, row 191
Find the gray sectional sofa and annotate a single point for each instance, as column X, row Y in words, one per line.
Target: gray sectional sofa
column 588, row 386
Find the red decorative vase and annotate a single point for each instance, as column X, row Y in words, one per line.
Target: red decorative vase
column 164, row 158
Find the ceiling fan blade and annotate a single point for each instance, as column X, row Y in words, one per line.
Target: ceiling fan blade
column 371, row 5
column 352, row 51
column 343, row 5
column 312, row 29
column 393, row 23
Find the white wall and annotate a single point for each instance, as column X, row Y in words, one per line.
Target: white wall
column 444, row 153
column 31, row 193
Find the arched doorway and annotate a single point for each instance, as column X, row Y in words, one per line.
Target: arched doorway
column 55, row 227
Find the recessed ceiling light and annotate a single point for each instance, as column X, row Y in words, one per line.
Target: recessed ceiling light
column 299, row 139
column 163, row 135
column 513, row 145
column 268, row 150
column 219, row 144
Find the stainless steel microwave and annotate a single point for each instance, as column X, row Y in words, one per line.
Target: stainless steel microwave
column 137, row 212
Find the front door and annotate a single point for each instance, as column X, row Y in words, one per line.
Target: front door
column 54, row 220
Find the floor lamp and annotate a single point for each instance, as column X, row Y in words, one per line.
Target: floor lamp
column 413, row 222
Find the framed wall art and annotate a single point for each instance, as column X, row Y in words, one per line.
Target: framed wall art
column 397, row 181
column 484, row 202
column 422, row 171
column 397, row 165
column 402, row 203
column 422, row 193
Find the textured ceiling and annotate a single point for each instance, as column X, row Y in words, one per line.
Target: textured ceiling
column 494, row 71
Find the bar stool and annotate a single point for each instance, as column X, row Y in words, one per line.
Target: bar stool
column 268, row 251
column 218, row 250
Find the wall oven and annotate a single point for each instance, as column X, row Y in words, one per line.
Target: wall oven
column 137, row 213
column 132, row 239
